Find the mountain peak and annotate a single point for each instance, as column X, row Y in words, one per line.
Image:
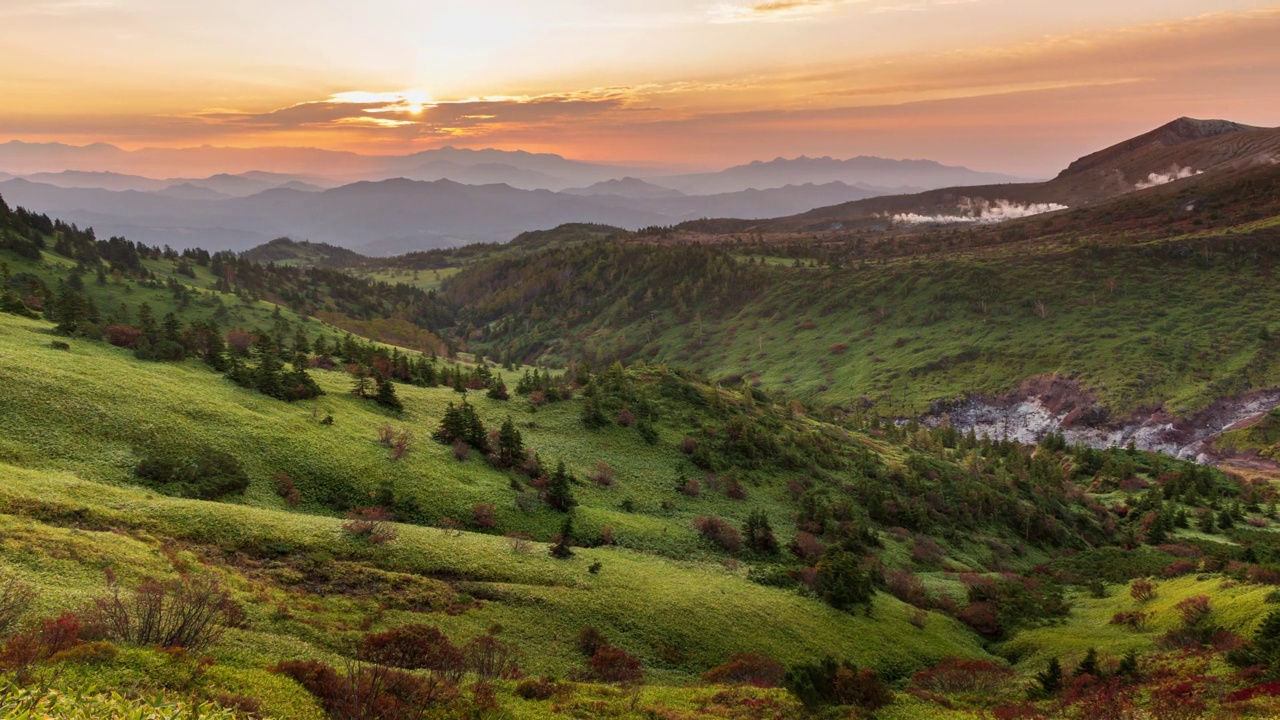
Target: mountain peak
column 1182, row 130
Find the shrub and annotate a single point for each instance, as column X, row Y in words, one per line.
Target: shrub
column 1142, row 590
column 982, row 617
column 735, row 490
column 590, row 640
column 24, row 651
column 691, row 488
column 806, row 547
column 461, row 450
column 719, row 531
column 1179, row 568
column 541, row 689
column 491, row 659
column 482, row 515
column 1193, row 610
column 907, row 587
column 191, row 612
column 924, row 550
column 603, row 475
column 371, row 525
column 829, row 683
column 612, row 664
column 1134, row 620
column 625, row 417
column 521, row 544
column 415, row 647
column 206, row 475
column 286, row 489
column 122, row 336
column 368, row 692
column 15, row 600
column 747, row 669
column 958, row 675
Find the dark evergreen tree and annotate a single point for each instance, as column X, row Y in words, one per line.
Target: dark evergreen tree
column 758, row 534
column 560, row 489
column 386, row 395
column 563, row 547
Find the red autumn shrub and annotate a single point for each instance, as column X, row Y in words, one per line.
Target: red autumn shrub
column 719, row 531
column 692, row 488
column 838, row 349
column 747, row 669
column 1193, row 610
column 688, row 445
column 982, row 617
column 371, row 525
column 603, row 474
column 483, row 515
column 959, row 675
column 415, row 647
column 806, row 547
column 904, row 585
column 735, row 490
column 1178, row 568
column 1142, row 590
column 286, row 489
column 1133, row 619
column 612, row 664
column 861, row 687
column 541, row 689
column 492, row 659
column 191, row 612
column 240, row 342
column 122, row 336
column 925, row 550
column 625, row 417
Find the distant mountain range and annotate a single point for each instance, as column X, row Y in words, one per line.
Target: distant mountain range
column 388, row 216
column 383, row 204
column 104, row 166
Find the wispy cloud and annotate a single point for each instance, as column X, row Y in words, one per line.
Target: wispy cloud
column 791, row 10
column 54, row 8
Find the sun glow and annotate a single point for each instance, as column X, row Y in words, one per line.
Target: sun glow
column 407, row 101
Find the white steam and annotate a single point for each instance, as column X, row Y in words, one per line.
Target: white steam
column 1175, row 173
column 982, row 212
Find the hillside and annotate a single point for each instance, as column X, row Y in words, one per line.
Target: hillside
column 1172, row 153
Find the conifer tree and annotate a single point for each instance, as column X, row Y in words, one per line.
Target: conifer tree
column 560, row 490
column 386, row 395
column 563, row 547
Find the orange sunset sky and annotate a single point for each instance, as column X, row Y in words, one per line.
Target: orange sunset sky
column 1020, row 86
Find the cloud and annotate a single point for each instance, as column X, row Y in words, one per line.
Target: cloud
column 414, row 112
column 55, row 8
column 784, row 10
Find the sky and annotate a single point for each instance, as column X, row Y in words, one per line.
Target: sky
column 1020, row 86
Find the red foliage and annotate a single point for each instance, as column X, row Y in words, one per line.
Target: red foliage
column 1193, row 610
column 240, row 342
column 1135, row 619
column 904, row 585
column 838, row 349
column 415, row 647
column 1267, row 689
column 807, row 547
column 483, row 515
column 747, row 669
column 719, row 531
column 122, row 336
column 735, row 490
column 863, row 688
column 370, row 524
column 603, row 475
column 1142, row 590
column 625, row 417
column 1178, row 568
column 925, row 550
column 982, row 617
column 958, row 675
column 612, row 664
column 692, row 488
column 286, row 489
column 1263, row 576
column 491, row 659
column 688, row 445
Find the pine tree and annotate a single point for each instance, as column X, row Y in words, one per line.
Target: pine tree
column 361, row 382
column 386, row 395
column 563, row 547
column 498, row 390
column 1050, row 678
column 510, row 444
column 560, row 490
column 1089, row 665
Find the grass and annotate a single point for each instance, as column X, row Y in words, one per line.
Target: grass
column 1238, row 608
column 72, row 424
